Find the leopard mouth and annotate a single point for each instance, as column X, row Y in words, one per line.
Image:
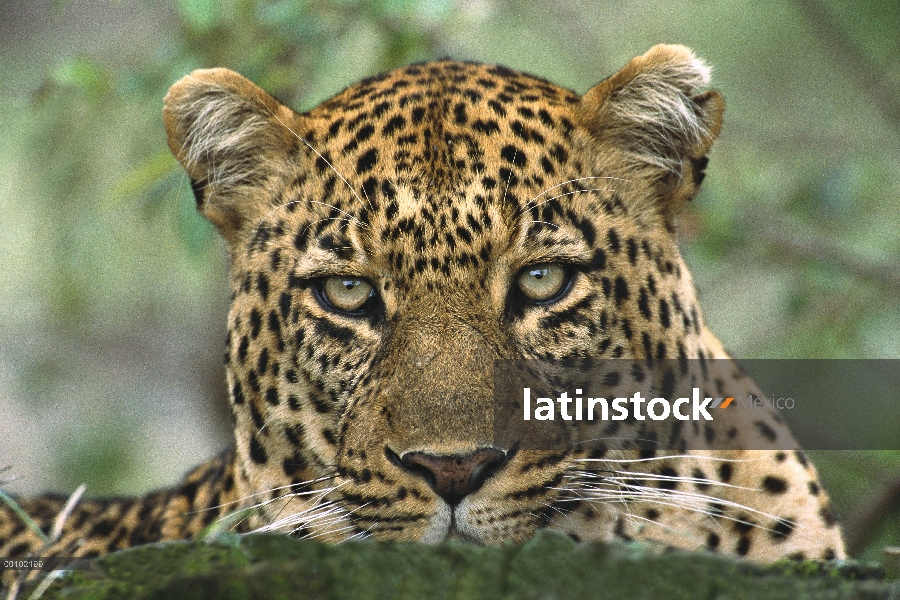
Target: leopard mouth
column 450, row 523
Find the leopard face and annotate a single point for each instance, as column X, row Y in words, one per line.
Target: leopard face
column 391, row 244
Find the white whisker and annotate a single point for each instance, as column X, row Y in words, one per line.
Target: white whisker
column 327, row 162
column 527, row 204
column 545, row 223
column 667, row 457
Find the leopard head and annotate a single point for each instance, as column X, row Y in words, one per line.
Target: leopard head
column 389, row 245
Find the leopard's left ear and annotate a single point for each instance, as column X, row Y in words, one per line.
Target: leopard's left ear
column 649, row 118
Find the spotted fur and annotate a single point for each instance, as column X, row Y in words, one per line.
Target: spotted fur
column 378, row 245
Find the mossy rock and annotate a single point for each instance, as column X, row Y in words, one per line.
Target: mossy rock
column 548, row 566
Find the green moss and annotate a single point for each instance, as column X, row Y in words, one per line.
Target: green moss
column 549, row 566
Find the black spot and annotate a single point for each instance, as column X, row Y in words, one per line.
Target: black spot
column 369, row 188
column 782, row 529
column 189, row 491
column 292, row 465
column 547, row 166
column 699, row 475
column 828, row 515
column 367, row 161
column 613, row 239
column 364, row 133
column 511, row 181
column 284, row 304
column 611, row 379
column 343, row 335
column 253, row 380
column 262, row 284
column 237, row 393
column 648, row 344
column 606, row 284
column 490, row 126
column 257, row 452
column 743, row 524
column 670, row 482
column 652, row 514
column 525, row 112
column 102, row 528
column 774, row 485
column 459, row 113
column 397, row 122
column 197, row 186
column 743, row 546
column 255, row 323
column 262, row 363
column 725, row 472
column 560, row 154
column 664, row 314
column 632, row 251
column 813, row 488
column 513, row 155
column 643, row 303
column 497, row 107
column 801, row 458
column 242, row 349
column 545, row 117
column 294, row 434
column 257, row 418
column 587, row 230
column 272, row 396
column 766, row 431
column 621, row 289
column 699, row 165
column 599, row 260
column 660, row 350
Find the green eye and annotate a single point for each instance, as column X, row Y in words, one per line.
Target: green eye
column 542, row 283
column 347, row 294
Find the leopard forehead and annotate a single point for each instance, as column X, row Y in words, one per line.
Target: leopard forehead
column 432, row 171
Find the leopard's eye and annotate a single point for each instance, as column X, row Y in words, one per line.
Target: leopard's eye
column 346, row 294
column 543, row 283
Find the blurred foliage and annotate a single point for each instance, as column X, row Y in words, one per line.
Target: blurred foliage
column 793, row 242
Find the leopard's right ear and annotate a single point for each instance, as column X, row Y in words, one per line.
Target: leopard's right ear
column 650, row 121
column 230, row 136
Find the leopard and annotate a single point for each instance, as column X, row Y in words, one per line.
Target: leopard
column 386, row 249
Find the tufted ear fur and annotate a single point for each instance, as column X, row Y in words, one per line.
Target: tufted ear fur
column 648, row 118
column 230, row 136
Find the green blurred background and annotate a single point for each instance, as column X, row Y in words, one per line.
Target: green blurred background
column 113, row 291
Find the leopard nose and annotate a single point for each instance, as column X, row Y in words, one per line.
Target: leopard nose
column 453, row 477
